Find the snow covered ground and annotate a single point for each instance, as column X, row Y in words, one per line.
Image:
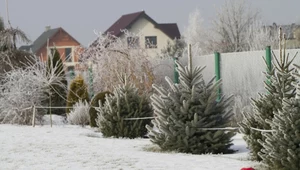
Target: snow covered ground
column 74, row 147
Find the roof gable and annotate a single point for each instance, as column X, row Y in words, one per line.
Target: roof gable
column 122, row 23
column 41, row 41
column 126, row 21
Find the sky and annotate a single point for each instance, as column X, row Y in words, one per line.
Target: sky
column 80, row 18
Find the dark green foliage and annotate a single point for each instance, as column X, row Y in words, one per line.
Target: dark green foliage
column 57, row 89
column 278, row 86
column 78, row 91
column 126, row 102
column 185, row 109
column 95, row 103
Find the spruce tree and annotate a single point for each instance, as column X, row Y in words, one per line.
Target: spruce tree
column 187, row 112
column 278, row 86
column 281, row 149
column 125, row 103
column 78, row 91
column 57, row 90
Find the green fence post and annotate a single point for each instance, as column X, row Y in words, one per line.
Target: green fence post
column 176, row 75
column 218, row 72
column 268, row 62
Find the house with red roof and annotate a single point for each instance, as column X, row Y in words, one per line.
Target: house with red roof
column 155, row 36
column 55, row 38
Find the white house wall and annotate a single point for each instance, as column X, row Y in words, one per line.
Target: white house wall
column 146, row 28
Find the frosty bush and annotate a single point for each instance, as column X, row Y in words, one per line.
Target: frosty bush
column 23, row 88
column 111, row 55
column 79, row 115
column 126, row 102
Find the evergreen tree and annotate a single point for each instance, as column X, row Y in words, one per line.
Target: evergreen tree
column 278, row 85
column 78, row 91
column 185, row 110
column 281, row 146
column 126, row 102
column 95, row 103
column 57, row 92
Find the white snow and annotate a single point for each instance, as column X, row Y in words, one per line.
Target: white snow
column 74, row 147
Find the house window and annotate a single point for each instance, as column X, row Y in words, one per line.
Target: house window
column 151, row 42
column 133, row 42
column 68, row 54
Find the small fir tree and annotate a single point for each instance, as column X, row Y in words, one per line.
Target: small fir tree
column 56, row 92
column 126, row 102
column 78, row 91
column 278, row 85
column 185, row 110
column 281, row 148
column 95, row 103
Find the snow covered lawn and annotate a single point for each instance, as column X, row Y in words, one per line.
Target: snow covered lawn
column 74, row 147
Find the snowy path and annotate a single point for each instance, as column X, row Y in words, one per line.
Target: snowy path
column 73, row 147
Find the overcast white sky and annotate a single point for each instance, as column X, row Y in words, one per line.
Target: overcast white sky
column 81, row 17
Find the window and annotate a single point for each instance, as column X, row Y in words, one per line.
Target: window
column 133, row 42
column 68, row 54
column 151, row 42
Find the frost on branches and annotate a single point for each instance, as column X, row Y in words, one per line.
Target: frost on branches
column 184, row 111
column 79, row 115
column 23, row 88
column 199, row 37
column 258, row 36
column 110, row 55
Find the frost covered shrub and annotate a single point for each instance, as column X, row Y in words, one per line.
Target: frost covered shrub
column 110, row 54
column 95, row 103
column 78, row 91
column 185, row 110
column 19, row 92
column 126, row 102
column 79, row 115
column 23, row 88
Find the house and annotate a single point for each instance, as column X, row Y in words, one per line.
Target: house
column 155, row 35
column 55, row 38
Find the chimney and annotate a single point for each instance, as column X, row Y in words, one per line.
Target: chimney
column 47, row 28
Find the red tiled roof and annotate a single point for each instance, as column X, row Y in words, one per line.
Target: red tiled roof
column 127, row 20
